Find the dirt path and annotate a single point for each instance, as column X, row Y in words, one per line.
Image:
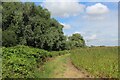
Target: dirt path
column 73, row 72
column 61, row 67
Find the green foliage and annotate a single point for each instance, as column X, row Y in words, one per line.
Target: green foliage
column 98, row 61
column 55, row 67
column 9, row 38
column 76, row 40
column 23, row 61
column 0, row 37
column 32, row 26
column 59, row 53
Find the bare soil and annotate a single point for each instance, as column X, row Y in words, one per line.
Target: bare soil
column 68, row 70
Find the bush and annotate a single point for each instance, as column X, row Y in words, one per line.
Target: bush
column 22, row 61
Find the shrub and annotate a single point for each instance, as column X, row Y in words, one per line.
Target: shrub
column 22, row 61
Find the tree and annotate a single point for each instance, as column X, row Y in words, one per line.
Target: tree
column 9, row 38
column 31, row 25
column 77, row 40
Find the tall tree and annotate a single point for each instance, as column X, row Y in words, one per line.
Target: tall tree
column 31, row 25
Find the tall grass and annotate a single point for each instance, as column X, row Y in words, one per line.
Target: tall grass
column 98, row 61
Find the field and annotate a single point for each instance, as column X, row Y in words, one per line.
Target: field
column 27, row 62
column 98, row 61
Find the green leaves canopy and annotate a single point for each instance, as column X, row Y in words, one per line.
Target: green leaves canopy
column 31, row 25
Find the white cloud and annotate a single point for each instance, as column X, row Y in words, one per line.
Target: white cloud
column 78, row 32
column 63, row 8
column 66, row 26
column 96, row 12
column 97, row 9
column 91, row 17
column 92, row 37
column 82, row 33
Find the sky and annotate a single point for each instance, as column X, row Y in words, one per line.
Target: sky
column 96, row 21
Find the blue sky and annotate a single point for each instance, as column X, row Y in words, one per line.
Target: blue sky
column 97, row 21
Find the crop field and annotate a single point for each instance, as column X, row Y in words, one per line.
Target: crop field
column 98, row 61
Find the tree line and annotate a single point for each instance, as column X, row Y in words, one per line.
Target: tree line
column 32, row 25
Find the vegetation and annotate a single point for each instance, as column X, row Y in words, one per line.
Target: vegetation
column 24, row 61
column 98, row 61
column 76, row 40
column 31, row 25
column 55, row 67
column 30, row 37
